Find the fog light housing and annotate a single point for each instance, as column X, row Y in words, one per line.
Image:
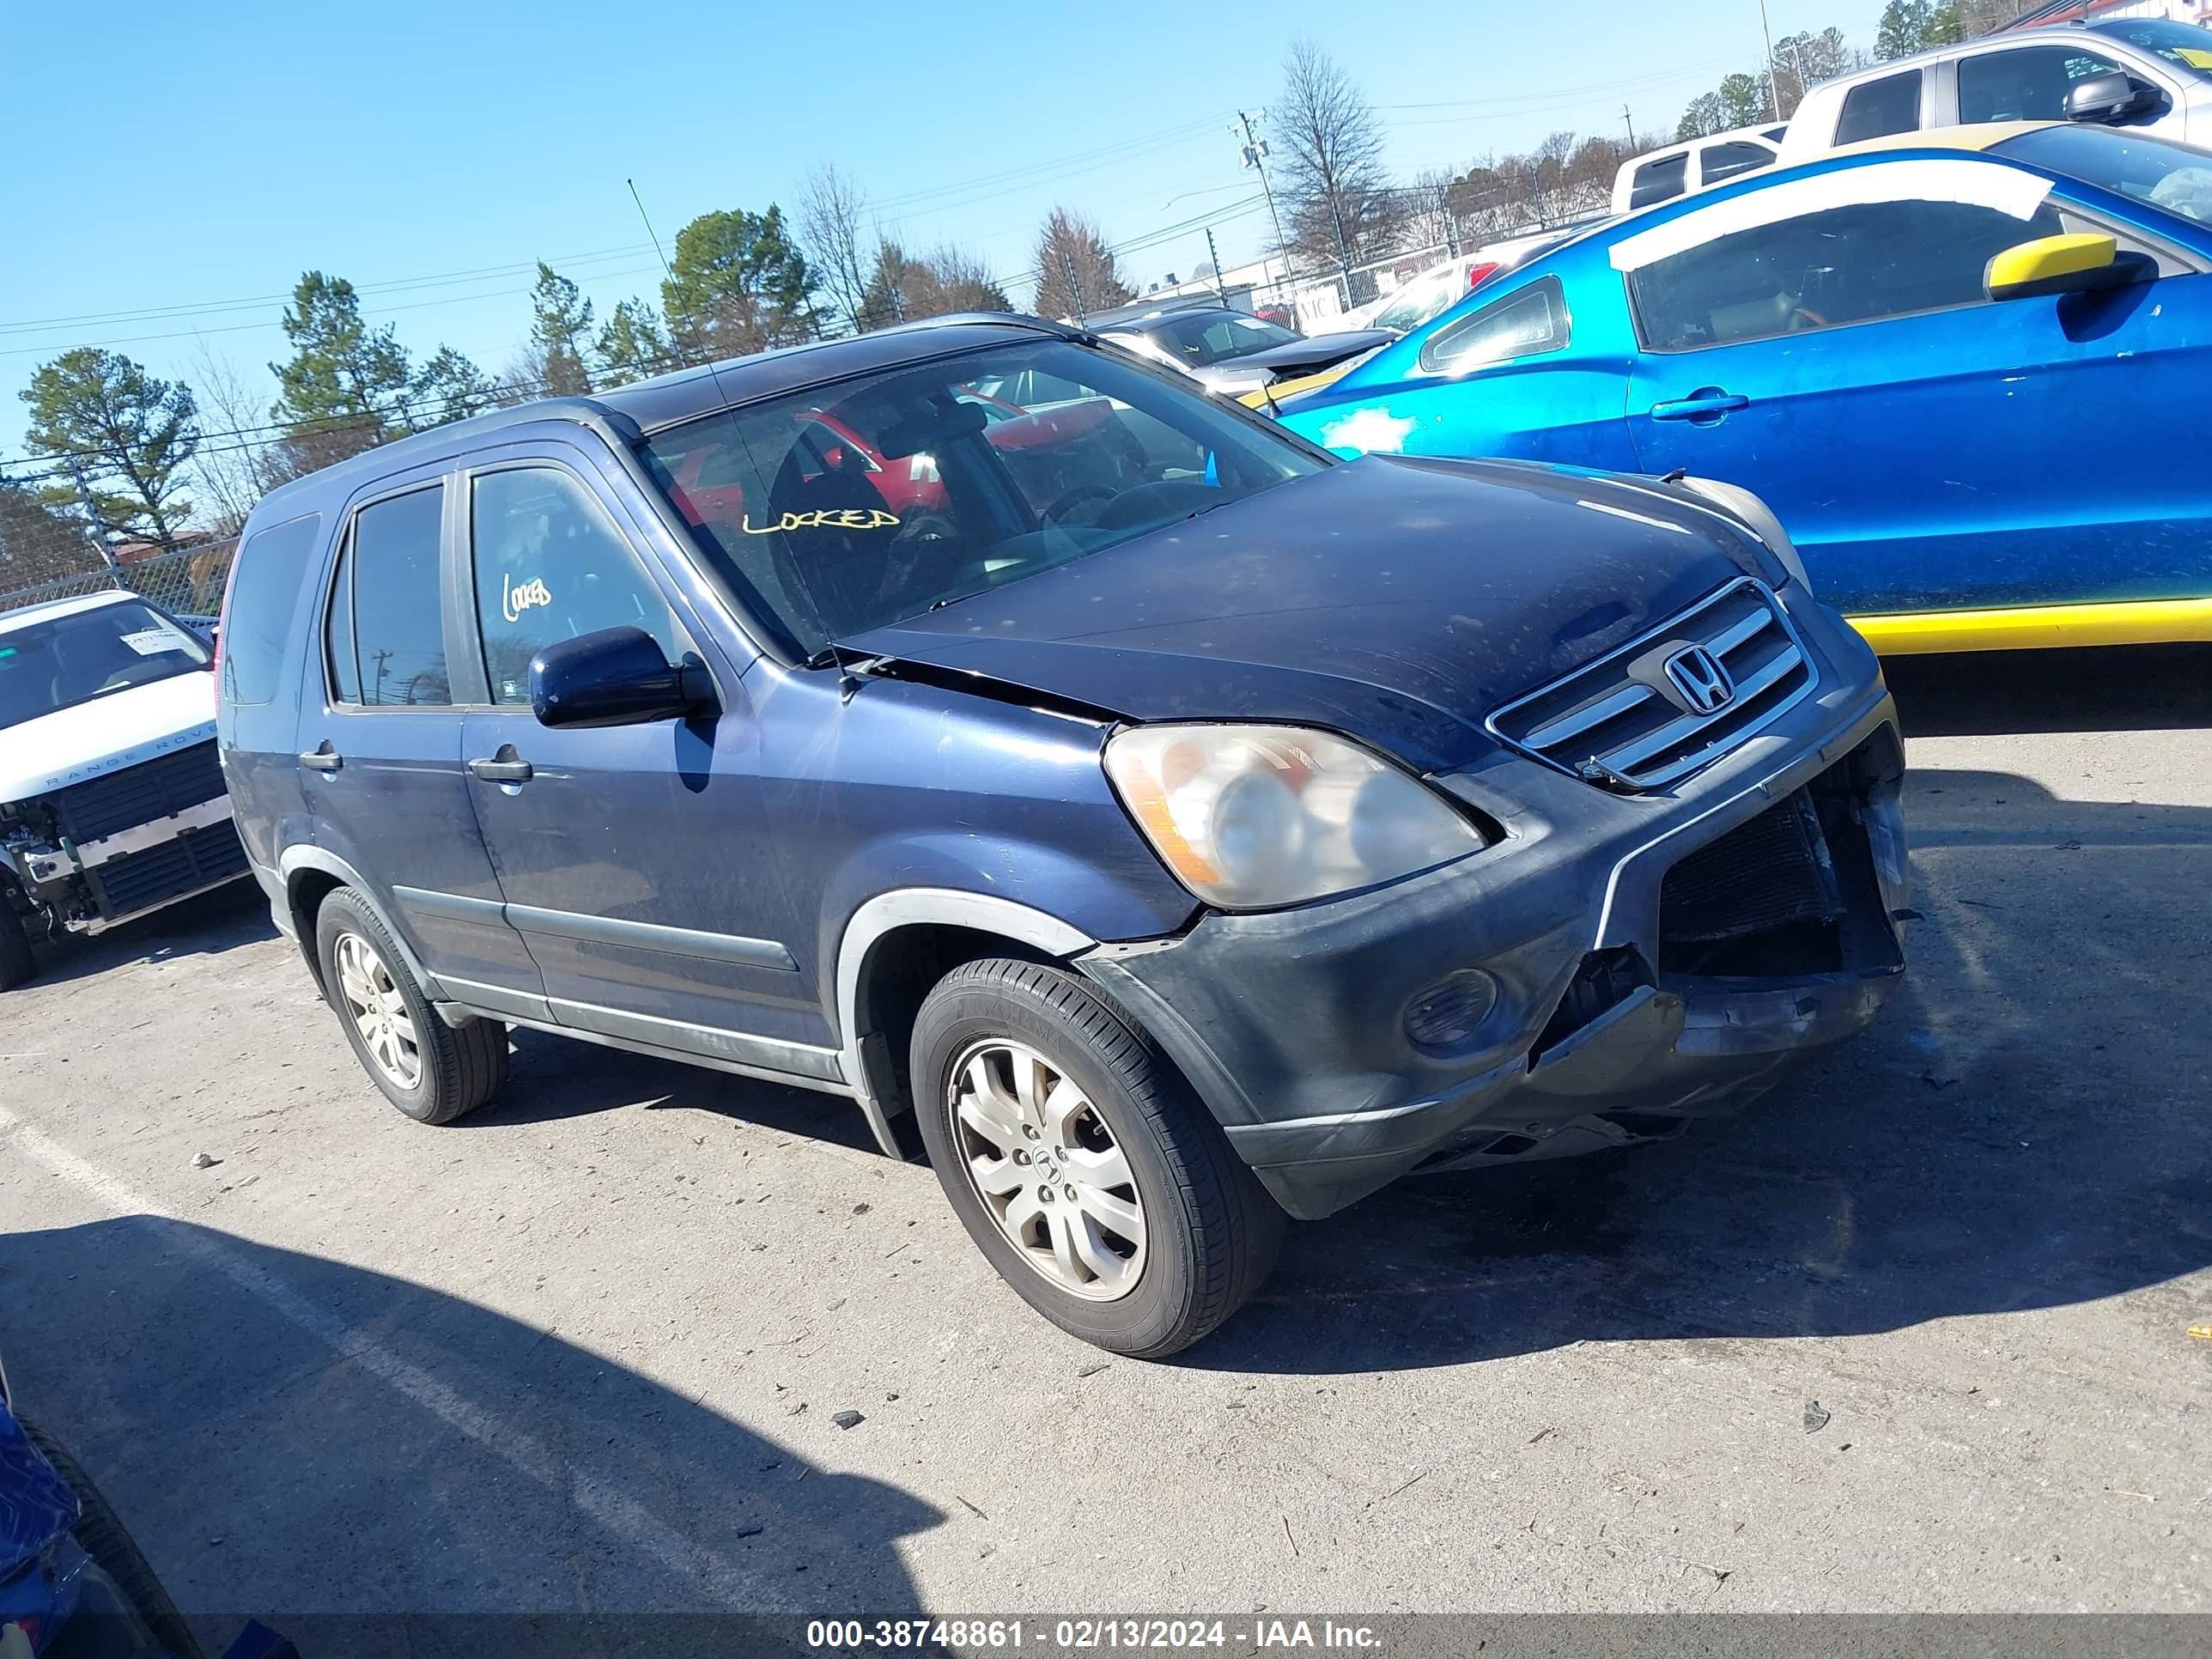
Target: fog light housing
column 1447, row 1013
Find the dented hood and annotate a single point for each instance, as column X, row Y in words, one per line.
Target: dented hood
column 1396, row 600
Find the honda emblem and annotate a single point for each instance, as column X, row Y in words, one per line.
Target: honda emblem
column 1700, row 680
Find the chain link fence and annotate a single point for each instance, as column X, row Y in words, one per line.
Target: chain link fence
column 186, row 581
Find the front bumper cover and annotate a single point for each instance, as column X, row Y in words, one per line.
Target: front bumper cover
column 1291, row 1025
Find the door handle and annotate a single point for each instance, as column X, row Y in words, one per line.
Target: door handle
column 506, row 767
column 325, row 759
column 1703, row 407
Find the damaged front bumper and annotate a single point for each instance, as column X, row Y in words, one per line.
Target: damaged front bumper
column 1649, row 958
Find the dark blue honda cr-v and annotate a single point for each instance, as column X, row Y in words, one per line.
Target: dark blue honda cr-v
column 1183, row 826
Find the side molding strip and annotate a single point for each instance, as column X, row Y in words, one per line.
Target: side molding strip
column 600, row 930
column 651, row 936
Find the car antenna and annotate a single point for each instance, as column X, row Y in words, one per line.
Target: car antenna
column 666, row 270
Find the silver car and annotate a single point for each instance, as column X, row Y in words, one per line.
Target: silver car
column 2143, row 73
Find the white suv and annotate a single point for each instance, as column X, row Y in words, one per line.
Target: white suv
column 112, row 803
column 1661, row 175
column 2147, row 73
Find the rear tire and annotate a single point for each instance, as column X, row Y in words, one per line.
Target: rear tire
column 1080, row 1162
column 429, row 1070
column 103, row 1537
column 17, row 965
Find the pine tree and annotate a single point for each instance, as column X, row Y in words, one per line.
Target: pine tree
column 738, row 284
column 120, row 440
column 633, row 345
column 346, row 383
column 560, row 334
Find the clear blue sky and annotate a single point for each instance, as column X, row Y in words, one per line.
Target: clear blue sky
column 189, row 162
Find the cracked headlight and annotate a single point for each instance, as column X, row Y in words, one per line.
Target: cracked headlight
column 1251, row 817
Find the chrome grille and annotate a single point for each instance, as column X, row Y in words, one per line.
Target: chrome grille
column 1625, row 722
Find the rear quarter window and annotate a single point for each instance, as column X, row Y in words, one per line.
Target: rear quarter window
column 1658, row 181
column 265, row 589
column 1875, row 109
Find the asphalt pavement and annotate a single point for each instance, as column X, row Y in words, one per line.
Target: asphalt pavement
column 1911, row 1335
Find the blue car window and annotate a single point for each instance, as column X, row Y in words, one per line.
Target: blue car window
column 1855, row 264
column 549, row 567
column 396, row 653
column 1523, row 324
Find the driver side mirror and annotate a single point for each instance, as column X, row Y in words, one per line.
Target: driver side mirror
column 2063, row 264
column 2112, row 96
column 616, row 676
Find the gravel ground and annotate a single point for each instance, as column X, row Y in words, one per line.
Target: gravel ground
column 587, row 1349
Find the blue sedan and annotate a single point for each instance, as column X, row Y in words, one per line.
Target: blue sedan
column 1960, row 368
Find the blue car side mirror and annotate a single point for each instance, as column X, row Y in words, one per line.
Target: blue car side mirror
column 616, row 676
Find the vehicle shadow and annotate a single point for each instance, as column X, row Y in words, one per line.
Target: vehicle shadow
column 2142, row 687
column 373, row 1465
column 2020, row 1128
column 209, row 925
column 558, row 1076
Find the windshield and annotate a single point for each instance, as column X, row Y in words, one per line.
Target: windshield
column 1207, row 337
column 2185, row 46
column 72, row 659
column 2166, row 175
column 836, row 512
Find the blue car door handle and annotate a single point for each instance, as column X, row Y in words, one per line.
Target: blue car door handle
column 1707, row 404
column 506, row 767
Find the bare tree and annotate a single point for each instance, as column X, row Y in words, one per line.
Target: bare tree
column 830, row 206
column 237, row 465
column 1075, row 271
column 1328, row 164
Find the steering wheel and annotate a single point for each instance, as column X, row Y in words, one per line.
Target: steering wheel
column 1070, row 499
column 1802, row 316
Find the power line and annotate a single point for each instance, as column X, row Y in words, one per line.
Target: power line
column 153, row 314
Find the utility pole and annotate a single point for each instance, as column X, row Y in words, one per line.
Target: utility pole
column 1255, row 155
column 1343, row 248
column 1075, row 287
column 1628, row 121
column 1214, row 254
column 1772, row 85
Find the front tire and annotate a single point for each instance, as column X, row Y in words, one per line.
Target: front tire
column 427, row 1068
column 1080, row 1163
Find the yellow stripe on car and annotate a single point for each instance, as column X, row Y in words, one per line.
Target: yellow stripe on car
column 1282, row 389
column 2135, row 622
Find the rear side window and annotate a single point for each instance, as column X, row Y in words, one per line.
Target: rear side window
column 1874, row 109
column 385, row 634
column 1523, row 324
column 272, row 563
column 1726, row 160
column 1658, row 181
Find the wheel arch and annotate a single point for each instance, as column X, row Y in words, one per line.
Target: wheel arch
column 894, row 948
column 310, row 875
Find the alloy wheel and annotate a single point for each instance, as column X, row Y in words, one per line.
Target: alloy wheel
column 1049, row 1170
column 379, row 1012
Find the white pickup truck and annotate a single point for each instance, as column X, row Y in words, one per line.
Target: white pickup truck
column 112, row 803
